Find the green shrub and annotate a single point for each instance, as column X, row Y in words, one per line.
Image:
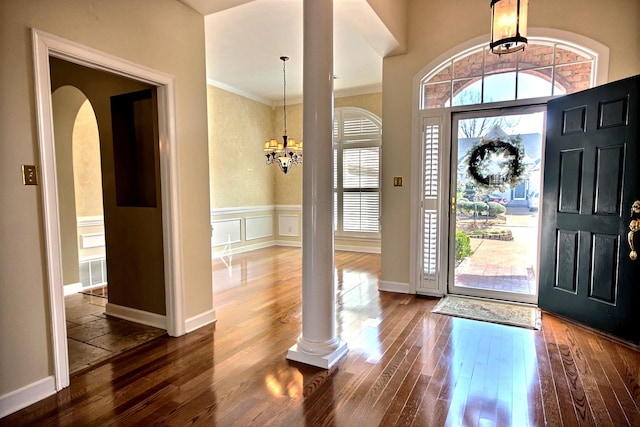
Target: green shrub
column 465, row 206
column 496, row 209
column 463, row 245
column 481, row 208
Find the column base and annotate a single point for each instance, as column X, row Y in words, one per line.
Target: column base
column 324, row 361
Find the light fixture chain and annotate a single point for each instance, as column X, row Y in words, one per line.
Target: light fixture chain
column 284, row 92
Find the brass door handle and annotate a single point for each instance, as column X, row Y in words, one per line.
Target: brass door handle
column 634, row 226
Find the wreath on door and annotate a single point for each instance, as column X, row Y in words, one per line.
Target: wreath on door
column 496, row 163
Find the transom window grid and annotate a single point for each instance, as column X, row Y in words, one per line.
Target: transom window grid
column 566, row 69
column 357, row 136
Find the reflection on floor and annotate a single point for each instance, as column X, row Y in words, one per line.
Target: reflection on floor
column 93, row 337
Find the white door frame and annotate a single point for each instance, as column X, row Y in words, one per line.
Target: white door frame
column 44, row 46
column 522, row 107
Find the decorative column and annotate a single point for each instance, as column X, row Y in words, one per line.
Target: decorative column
column 318, row 345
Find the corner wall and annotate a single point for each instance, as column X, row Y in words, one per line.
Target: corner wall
column 136, row 31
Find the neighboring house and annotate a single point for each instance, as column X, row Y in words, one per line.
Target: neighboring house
column 529, row 188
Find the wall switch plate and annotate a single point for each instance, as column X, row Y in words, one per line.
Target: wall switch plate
column 29, row 175
column 397, row 181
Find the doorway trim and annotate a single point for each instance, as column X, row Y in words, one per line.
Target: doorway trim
column 44, row 46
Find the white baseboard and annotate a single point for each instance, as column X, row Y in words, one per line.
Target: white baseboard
column 398, row 287
column 430, row 293
column 364, row 249
column 72, row 288
column 135, row 315
column 27, row 395
column 289, row 243
column 241, row 249
column 202, row 319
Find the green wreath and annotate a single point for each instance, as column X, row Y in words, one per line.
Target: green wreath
column 511, row 169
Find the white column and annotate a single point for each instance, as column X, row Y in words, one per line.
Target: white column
column 318, row 345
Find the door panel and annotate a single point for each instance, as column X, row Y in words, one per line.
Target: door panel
column 590, row 183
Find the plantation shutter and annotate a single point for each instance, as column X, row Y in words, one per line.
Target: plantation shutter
column 433, row 203
column 357, row 139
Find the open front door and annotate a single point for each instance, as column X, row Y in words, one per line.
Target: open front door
column 591, row 182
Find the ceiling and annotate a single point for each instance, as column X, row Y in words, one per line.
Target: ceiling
column 246, row 38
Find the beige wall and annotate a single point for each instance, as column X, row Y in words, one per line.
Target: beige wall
column 238, row 127
column 136, row 31
column 86, row 163
column 435, row 28
column 65, row 102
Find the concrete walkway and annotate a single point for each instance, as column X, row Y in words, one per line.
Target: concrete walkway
column 504, row 265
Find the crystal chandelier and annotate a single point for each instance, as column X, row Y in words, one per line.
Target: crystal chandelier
column 288, row 152
column 508, row 25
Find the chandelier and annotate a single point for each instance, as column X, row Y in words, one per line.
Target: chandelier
column 508, row 26
column 288, row 152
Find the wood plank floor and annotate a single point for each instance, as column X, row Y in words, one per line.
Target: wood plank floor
column 405, row 366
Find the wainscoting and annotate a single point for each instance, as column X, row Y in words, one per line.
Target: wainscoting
column 243, row 229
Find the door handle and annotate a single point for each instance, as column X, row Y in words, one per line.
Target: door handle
column 634, row 226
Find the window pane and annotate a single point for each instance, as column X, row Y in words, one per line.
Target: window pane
column 494, row 64
column 468, row 66
column 443, row 75
column 574, row 77
column 535, row 55
column 436, row 94
column 566, row 55
column 361, row 212
column 500, row 87
column 467, row 92
column 531, row 85
column 360, row 167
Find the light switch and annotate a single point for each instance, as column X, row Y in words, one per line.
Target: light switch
column 29, row 175
column 397, row 181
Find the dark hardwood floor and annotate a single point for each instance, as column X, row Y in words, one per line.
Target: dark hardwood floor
column 405, row 366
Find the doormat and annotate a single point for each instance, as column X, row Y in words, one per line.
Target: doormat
column 490, row 311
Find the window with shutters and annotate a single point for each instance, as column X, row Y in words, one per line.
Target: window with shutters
column 357, row 137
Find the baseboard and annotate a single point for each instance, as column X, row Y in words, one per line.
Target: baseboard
column 398, row 287
column 135, row 315
column 433, row 293
column 27, row 395
column 363, row 249
column 242, row 249
column 202, row 319
column 289, row 243
column 72, row 288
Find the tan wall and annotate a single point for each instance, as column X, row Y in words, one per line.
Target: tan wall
column 238, row 127
column 435, row 28
column 65, row 103
column 164, row 35
column 86, row 163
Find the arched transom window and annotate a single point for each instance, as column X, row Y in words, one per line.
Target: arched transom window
column 477, row 76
